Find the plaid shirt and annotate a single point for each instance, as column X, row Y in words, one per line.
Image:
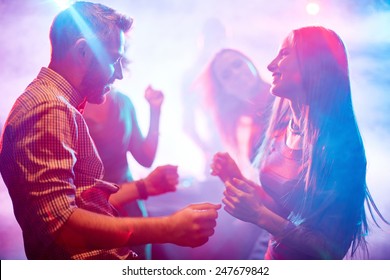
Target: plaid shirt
column 50, row 166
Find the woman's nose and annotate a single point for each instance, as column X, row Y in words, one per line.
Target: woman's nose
column 272, row 66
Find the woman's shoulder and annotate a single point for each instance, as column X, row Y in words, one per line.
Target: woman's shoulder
column 119, row 98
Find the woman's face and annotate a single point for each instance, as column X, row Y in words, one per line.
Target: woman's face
column 286, row 73
column 236, row 74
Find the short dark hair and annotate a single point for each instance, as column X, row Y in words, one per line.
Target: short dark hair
column 81, row 20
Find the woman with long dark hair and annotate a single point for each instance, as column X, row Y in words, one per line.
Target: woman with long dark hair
column 312, row 163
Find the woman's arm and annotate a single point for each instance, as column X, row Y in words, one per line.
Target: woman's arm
column 144, row 149
column 161, row 180
column 330, row 239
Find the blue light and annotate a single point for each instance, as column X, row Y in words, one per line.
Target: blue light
column 96, row 46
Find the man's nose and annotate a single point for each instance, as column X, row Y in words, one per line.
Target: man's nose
column 118, row 74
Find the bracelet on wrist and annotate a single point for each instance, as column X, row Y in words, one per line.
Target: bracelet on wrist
column 141, row 187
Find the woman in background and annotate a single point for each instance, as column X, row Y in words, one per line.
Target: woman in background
column 236, row 101
column 115, row 131
column 227, row 107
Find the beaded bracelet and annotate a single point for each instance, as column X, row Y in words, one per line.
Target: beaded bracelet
column 141, row 187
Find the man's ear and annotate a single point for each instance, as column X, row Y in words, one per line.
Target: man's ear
column 82, row 52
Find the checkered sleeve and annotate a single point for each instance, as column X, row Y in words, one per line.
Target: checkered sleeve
column 45, row 153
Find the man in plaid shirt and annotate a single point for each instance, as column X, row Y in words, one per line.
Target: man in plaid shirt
column 50, row 164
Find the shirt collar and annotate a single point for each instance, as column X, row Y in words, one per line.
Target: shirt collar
column 72, row 95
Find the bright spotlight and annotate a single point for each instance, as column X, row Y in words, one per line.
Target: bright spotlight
column 312, row 8
column 63, row 4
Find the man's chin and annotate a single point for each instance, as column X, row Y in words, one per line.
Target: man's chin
column 98, row 99
column 103, row 99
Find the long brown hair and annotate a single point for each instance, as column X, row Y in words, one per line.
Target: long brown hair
column 333, row 150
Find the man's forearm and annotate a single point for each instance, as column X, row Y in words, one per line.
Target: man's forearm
column 89, row 230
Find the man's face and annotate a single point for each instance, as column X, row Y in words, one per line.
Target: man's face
column 104, row 68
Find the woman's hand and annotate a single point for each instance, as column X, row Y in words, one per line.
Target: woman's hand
column 154, row 97
column 243, row 200
column 248, row 202
column 161, row 180
column 225, row 167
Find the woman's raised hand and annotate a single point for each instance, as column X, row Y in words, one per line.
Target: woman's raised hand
column 225, row 167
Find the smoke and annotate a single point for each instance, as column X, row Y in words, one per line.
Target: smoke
column 164, row 43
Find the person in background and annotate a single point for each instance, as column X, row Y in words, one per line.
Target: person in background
column 50, row 164
column 235, row 101
column 212, row 37
column 238, row 100
column 115, row 130
column 312, row 185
